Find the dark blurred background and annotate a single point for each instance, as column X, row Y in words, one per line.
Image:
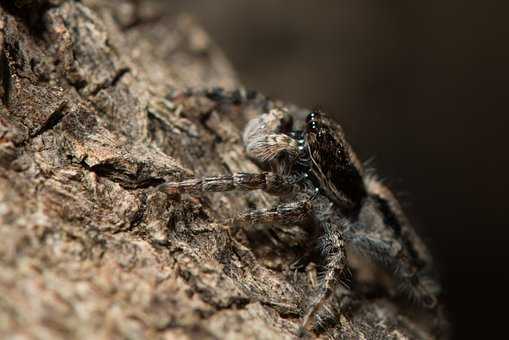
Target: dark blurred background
column 420, row 88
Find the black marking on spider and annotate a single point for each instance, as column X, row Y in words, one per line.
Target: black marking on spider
column 333, row 162
column 354, row 215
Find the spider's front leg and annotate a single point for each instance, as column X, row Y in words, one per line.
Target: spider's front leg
column 289, row 213
column 242, row 181
column 267, row 141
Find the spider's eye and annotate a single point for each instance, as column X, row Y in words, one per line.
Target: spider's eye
column 312, row 121
column 313, row 115
column 313, row 127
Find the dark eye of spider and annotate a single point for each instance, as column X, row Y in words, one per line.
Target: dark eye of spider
column 311, row 121
column 311, row 116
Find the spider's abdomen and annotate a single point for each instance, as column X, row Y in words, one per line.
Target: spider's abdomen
column 333, row 162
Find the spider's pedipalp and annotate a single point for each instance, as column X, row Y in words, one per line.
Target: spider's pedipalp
column 266, row 148
column 266, row 137
column 274, row 121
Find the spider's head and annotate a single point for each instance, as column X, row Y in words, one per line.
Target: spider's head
column 320, row 124
column 333, row 162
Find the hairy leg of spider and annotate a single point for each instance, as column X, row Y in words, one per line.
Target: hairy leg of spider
column 267, row 181
column 334, row 254
column 381, row 252
column 288, row 213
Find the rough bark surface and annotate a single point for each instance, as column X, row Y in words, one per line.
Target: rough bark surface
column 94, row 115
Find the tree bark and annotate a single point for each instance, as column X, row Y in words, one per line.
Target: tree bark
column 95, row 113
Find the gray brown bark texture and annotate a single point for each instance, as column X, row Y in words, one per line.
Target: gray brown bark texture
column 95, row 113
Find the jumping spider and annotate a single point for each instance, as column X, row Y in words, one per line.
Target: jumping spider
column 355, row 215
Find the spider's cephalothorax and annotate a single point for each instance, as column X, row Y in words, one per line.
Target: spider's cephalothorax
column 355, row 216
column 334, row 164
